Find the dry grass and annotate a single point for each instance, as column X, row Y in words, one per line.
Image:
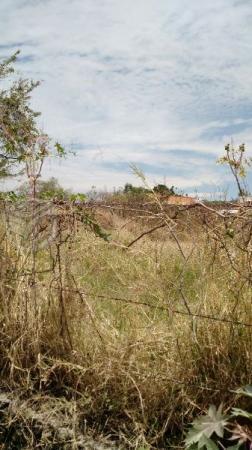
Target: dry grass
column 83, row 333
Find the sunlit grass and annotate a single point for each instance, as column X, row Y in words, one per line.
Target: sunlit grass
column 137, row 372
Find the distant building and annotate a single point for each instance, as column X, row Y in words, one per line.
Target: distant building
column 179, row 200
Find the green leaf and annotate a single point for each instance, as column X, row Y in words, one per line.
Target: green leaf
column 95, row 227
column 237, row 412
column 234, row 447
column 246, row 390
column 207, row 443
column 59, row 149
column 205, row 426
column 230, row 232
column 193, row 437
column 200, row 441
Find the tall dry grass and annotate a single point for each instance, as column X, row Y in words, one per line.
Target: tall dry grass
column 133, row 337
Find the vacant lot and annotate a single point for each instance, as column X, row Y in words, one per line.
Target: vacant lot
column 120, row 332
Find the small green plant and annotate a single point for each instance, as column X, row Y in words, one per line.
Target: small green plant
column 216, row 430
column 79, row 197
column 238, row 163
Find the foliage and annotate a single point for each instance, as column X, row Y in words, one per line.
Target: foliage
column 238, row 164
column 21, row 141
column 163, row 189
column 159, row 189
column 78, row 197
column 6, row 69
column 10, row 196
column 130, row 189
column 205, row 426
column 94, row 226
column 216, row 430
column 5, row 169
column 18, row 129
column 46, row 189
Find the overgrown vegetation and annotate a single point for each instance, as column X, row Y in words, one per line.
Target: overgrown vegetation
column 115, row 335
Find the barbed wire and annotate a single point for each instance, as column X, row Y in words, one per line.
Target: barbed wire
column 159, row 307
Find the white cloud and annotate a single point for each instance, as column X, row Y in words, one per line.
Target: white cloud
column 124, row 78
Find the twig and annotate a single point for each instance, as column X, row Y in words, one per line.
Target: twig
column 145, row 233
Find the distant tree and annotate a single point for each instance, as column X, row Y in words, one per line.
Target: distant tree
column 22, row 144
column 130, row 189
column 163, row 189
column 159, row 188
column 46, row 189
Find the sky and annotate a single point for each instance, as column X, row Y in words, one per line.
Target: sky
column 162, row 84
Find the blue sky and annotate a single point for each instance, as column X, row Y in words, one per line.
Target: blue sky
column 163, row 84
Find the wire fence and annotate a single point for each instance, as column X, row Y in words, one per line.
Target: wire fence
column 51, row 225
column 167, row 309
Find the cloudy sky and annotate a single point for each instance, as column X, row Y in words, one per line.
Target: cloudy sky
column 163, row 84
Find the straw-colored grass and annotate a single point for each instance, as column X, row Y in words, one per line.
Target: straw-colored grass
column 83, row 333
